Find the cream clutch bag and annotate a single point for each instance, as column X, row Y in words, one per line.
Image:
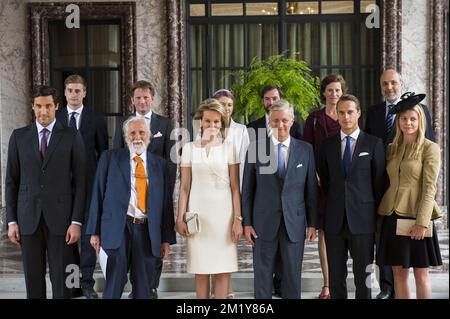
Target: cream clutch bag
column 404, row 225
column 192, row 222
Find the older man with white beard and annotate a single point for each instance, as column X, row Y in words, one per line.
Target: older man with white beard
column 131, row 213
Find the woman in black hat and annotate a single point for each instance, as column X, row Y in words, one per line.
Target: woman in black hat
column 408, row 237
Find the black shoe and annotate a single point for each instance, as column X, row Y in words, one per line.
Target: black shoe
column 385, row 294
column 276, row 292
column 89, row 293
column 154, row 294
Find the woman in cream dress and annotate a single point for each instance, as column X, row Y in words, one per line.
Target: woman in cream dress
column 210, row 188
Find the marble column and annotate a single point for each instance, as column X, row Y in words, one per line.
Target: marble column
column 438, row 83
column 391, row 43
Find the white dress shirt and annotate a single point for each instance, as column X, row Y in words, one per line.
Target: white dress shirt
column 49, row 131
column 147, row 117
column 77, row 114
column 354, row 137
column 285, row 148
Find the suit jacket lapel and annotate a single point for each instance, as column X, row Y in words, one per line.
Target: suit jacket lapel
column 154, row 129
column 381, row 118
column 294, row 157
column 62, row 116
column 85, row 121
column 56, row 136
column 124, row 166
column 357, row 150
column 337, row 154
column 34, row 136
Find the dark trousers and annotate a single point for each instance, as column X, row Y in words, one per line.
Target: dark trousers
column 361, row 248
column 264, row 260
column 386, row 278
column 134, row 255
column 88, row 260
column 158, row 271
column 35, row 249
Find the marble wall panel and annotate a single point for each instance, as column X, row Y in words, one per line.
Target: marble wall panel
column 415, row 38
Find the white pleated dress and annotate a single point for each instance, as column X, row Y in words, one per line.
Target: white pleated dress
column 211, row 251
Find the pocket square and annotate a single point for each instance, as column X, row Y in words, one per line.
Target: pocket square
column 157, row 134
column 363, row 154
column 299, row 165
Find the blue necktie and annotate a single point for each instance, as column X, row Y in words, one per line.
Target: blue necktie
column 281, row 162
column 389, row 120
column 347, row 158
column 73, row 121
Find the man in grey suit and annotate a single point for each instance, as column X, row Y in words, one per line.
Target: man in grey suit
column 45, row 195
column 279, row 194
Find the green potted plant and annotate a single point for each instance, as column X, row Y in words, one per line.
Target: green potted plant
column 294, row 77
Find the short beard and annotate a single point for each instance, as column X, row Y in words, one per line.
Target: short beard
column 137, row 147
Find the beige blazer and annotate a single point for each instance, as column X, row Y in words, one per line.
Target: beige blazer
column 413, row 184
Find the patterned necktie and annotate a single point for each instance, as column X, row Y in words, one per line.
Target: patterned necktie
column 43, row 143
column 389, row 120
column 73, row 121
column 141, row 185
column 347, row 158
column 281, row 162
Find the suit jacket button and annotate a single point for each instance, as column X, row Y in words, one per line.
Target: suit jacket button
column 42, row 186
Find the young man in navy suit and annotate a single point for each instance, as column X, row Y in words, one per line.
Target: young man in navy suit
column 131, row 214
column 351, row 171
column 45, row 195
column 92, row 126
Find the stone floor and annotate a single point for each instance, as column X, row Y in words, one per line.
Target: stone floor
column 176, row 283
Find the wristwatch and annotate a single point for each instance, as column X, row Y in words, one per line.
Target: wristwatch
column 239, row 217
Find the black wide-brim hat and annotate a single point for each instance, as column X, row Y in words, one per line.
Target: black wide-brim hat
column 407, row 102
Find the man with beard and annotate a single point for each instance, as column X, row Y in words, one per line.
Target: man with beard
column 131, row 214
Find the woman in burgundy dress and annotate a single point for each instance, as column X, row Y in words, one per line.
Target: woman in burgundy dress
column 318, row 126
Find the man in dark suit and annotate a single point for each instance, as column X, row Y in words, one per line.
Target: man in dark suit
column 381, row 124
column 269, row 95
column 92, row 126
column 378, row 122
column 279, row 194
column 142, row 96
column 131, row 214
column 351, row 170
column 45, row 195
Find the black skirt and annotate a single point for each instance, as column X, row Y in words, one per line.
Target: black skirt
column 403, row 251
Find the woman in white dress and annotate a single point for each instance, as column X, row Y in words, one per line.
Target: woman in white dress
column 210, row 188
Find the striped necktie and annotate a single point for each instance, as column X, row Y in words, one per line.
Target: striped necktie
column 389, row 120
